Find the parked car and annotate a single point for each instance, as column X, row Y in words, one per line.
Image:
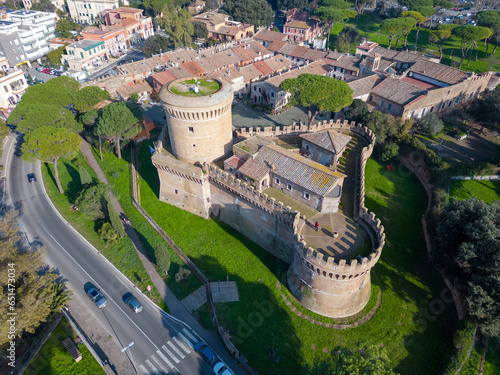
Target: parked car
column 134, row 304
column 97, row 297
column 220, row 368
column 206, row 353
column 31, row 178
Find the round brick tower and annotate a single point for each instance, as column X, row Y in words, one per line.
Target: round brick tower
column 199, row 120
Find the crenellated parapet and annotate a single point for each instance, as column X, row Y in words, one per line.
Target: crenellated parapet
column 256, row 198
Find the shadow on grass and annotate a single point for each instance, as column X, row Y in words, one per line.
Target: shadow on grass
column 259, row 326
column 74, row 186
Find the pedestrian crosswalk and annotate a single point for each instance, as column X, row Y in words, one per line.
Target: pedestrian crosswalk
column 170, row 354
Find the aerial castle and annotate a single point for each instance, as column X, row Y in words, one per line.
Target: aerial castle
column 200, row 132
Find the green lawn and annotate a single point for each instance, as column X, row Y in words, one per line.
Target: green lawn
column 205, row 87
column 54, row 359
column 123, row 254
column 484, row 190
column 369, row 24
column 492, row 363
column 260, row 322
column 118, row 174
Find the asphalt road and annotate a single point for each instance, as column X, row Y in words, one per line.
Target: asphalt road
column 161, row 344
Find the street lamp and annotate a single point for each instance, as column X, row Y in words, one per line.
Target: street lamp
column 130, row 353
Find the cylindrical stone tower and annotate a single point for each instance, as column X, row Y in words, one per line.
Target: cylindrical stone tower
column 199, row 120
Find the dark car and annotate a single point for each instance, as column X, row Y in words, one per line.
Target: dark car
column 134, row 304
column 31, row 178
column 97, row 297
column 206, row 353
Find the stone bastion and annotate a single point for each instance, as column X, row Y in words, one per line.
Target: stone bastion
column 199, row 120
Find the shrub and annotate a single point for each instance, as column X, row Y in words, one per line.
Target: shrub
column 108, row 233
column 388, row 152
column 431, row 124
column 91, row 201
column 163, row 258
column 115, row 220
column 182, row 275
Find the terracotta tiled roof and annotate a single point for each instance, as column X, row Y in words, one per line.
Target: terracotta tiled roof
column 422, row 84
column 439, row 72
column 276, row 46
column 234, row 162
column 297, row 169
column 278, row 62
column 227, row 74
column 270, row 36
column 298, row 24
column 364, row 85
column 193, row 68
column 296, row 14
column 316, row 67
column 179, row 72
column 397, row 91
column 250, row 73
column 330, row 140
column 126, row 90
column 125, row 10
column 179, row 56
column 164, row 77
column 141, row 66
column 144, row 128
column 263, row 67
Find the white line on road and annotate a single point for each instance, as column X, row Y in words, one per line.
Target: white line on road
column 181, row 344
column 152, row 367
column 170, row 354
column 179, row 353
column 167, row 361
column 159, row 364
column 143, row 369
column 188, row 334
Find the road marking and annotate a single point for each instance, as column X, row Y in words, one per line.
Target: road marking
column 188, row 334
column 159, row 364
column 170, row 354
column 181, row 344
column 155, row 370
column 165, row 358
column 143, row 369
column 179, row 353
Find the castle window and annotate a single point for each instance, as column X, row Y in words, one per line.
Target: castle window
column 389, row 107
column 306, row 147
column 194, row 145
column 277, row 181
column 191, row 129
column 382, row 104
column 176, row 191
column 289, row 187
column 307, row 195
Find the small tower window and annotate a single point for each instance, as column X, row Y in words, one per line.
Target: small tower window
column 191, row 129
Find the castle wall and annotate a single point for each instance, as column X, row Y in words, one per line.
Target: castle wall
column 269, row 224
column 183, row 185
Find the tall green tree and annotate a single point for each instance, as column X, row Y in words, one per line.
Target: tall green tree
column 57, row 91
column 200, row 30
column 331, row 12
column 440, row 36
column 254, row 12
column 177, row 23
column 28, row 117
column 155, row 6
column 48, row 144
column 491, row 20
column 431, row 124
column 90, row 117
column 64, row 26
column 92, row 201
column 162, row 258
column 486, row 109
column 88, row 97
column 318, row 93
column 155, row 45
column 469, row 36
column 393, row 27
column 418, row 17
column 118, row 121
column 60, row 296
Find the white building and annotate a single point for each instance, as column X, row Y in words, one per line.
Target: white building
column 12, row 84
column 25, row 35
column 86, row 11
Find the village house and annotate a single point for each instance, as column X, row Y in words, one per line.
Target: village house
column 301, row 27
column 196, row 6
column 13, row 83
column 325, row 147
column 221, row 28
column 113, row 37
column 137, row 27
column 266, row 37
column 84, row 55
column 142, row 89
column 299, row 177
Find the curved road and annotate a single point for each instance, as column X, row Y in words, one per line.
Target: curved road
column 161, row 344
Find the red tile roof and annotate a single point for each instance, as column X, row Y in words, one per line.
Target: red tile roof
column 193, row 68
column 397, row 91
column 329, row 140
column 234, row 162
column 270, row 36
column 419, row 83
column 263, row 67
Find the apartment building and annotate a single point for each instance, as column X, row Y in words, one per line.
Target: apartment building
column 12, row 84
column 88, row 11
column 25, row 35
column 84, row 55
column 113, row 37
column 137, row 26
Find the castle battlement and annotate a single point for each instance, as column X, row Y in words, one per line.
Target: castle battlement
column 247, row 192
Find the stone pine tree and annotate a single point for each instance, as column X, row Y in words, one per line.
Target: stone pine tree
column 440, row 36
column 418, row 17
column 118, row 121
column 318, row 93
column 469, row 36
column 331, row 12
column 92, row 201
column 162, row 258
column 48, row 144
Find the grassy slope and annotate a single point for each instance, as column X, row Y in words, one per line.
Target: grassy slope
column 484, row 190
column 221, row 252
column 54, row 359
column 369, row 24
column 123, row 255
column 118, row 174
